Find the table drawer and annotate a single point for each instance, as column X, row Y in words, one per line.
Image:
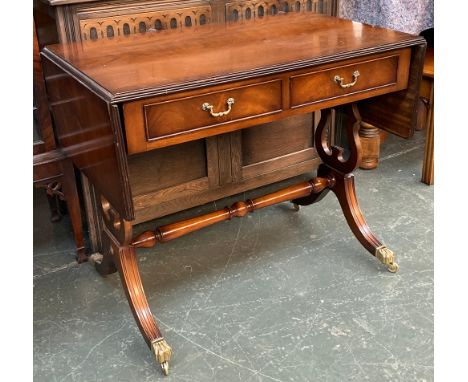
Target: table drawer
column 153, row 122
column 358, row 78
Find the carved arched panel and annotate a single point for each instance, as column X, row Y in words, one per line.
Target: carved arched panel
column 246, row 10
column 128, row 24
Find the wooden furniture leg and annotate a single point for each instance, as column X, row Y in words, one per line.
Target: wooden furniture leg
column 119, row 255
column 93, row 218
column 55, row 215
column 336, row 167
column 74, row 210
column 428, row 163
column 61, row 188
column 131, row 281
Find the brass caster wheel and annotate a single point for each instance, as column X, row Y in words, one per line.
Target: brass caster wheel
column 393, row 268
column 296, row 207
column 387, row 257
column 165, row 367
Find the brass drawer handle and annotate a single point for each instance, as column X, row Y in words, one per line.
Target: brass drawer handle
column 339, row 80
column 206, row 106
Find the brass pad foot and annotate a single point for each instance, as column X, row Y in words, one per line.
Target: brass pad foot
column 387, row 257
column 163, row 352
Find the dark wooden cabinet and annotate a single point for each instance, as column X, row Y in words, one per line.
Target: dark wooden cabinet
column 43, row 134
column 51, row 169
column 97, row 19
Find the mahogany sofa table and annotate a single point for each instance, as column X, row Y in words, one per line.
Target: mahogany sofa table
column 111, row 102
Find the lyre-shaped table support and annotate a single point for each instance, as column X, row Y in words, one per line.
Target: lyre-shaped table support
column 333, row 174
column 336, row 166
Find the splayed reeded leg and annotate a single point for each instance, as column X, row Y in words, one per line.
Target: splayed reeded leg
column 119, row 255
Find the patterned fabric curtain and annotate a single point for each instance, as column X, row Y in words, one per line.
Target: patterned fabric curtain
column 406, row 16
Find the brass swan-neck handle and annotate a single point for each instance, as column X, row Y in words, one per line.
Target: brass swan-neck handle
column 339, row 80
column 207, row 107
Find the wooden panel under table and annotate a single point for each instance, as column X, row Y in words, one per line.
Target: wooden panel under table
column 166, row 120
column 173, row 178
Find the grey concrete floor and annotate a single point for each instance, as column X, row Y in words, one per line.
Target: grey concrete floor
column 276, row 296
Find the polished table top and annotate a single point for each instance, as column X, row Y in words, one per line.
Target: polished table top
column 168, row 61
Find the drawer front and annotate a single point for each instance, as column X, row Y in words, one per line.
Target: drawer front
column 177, row 117
column 348, row 80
